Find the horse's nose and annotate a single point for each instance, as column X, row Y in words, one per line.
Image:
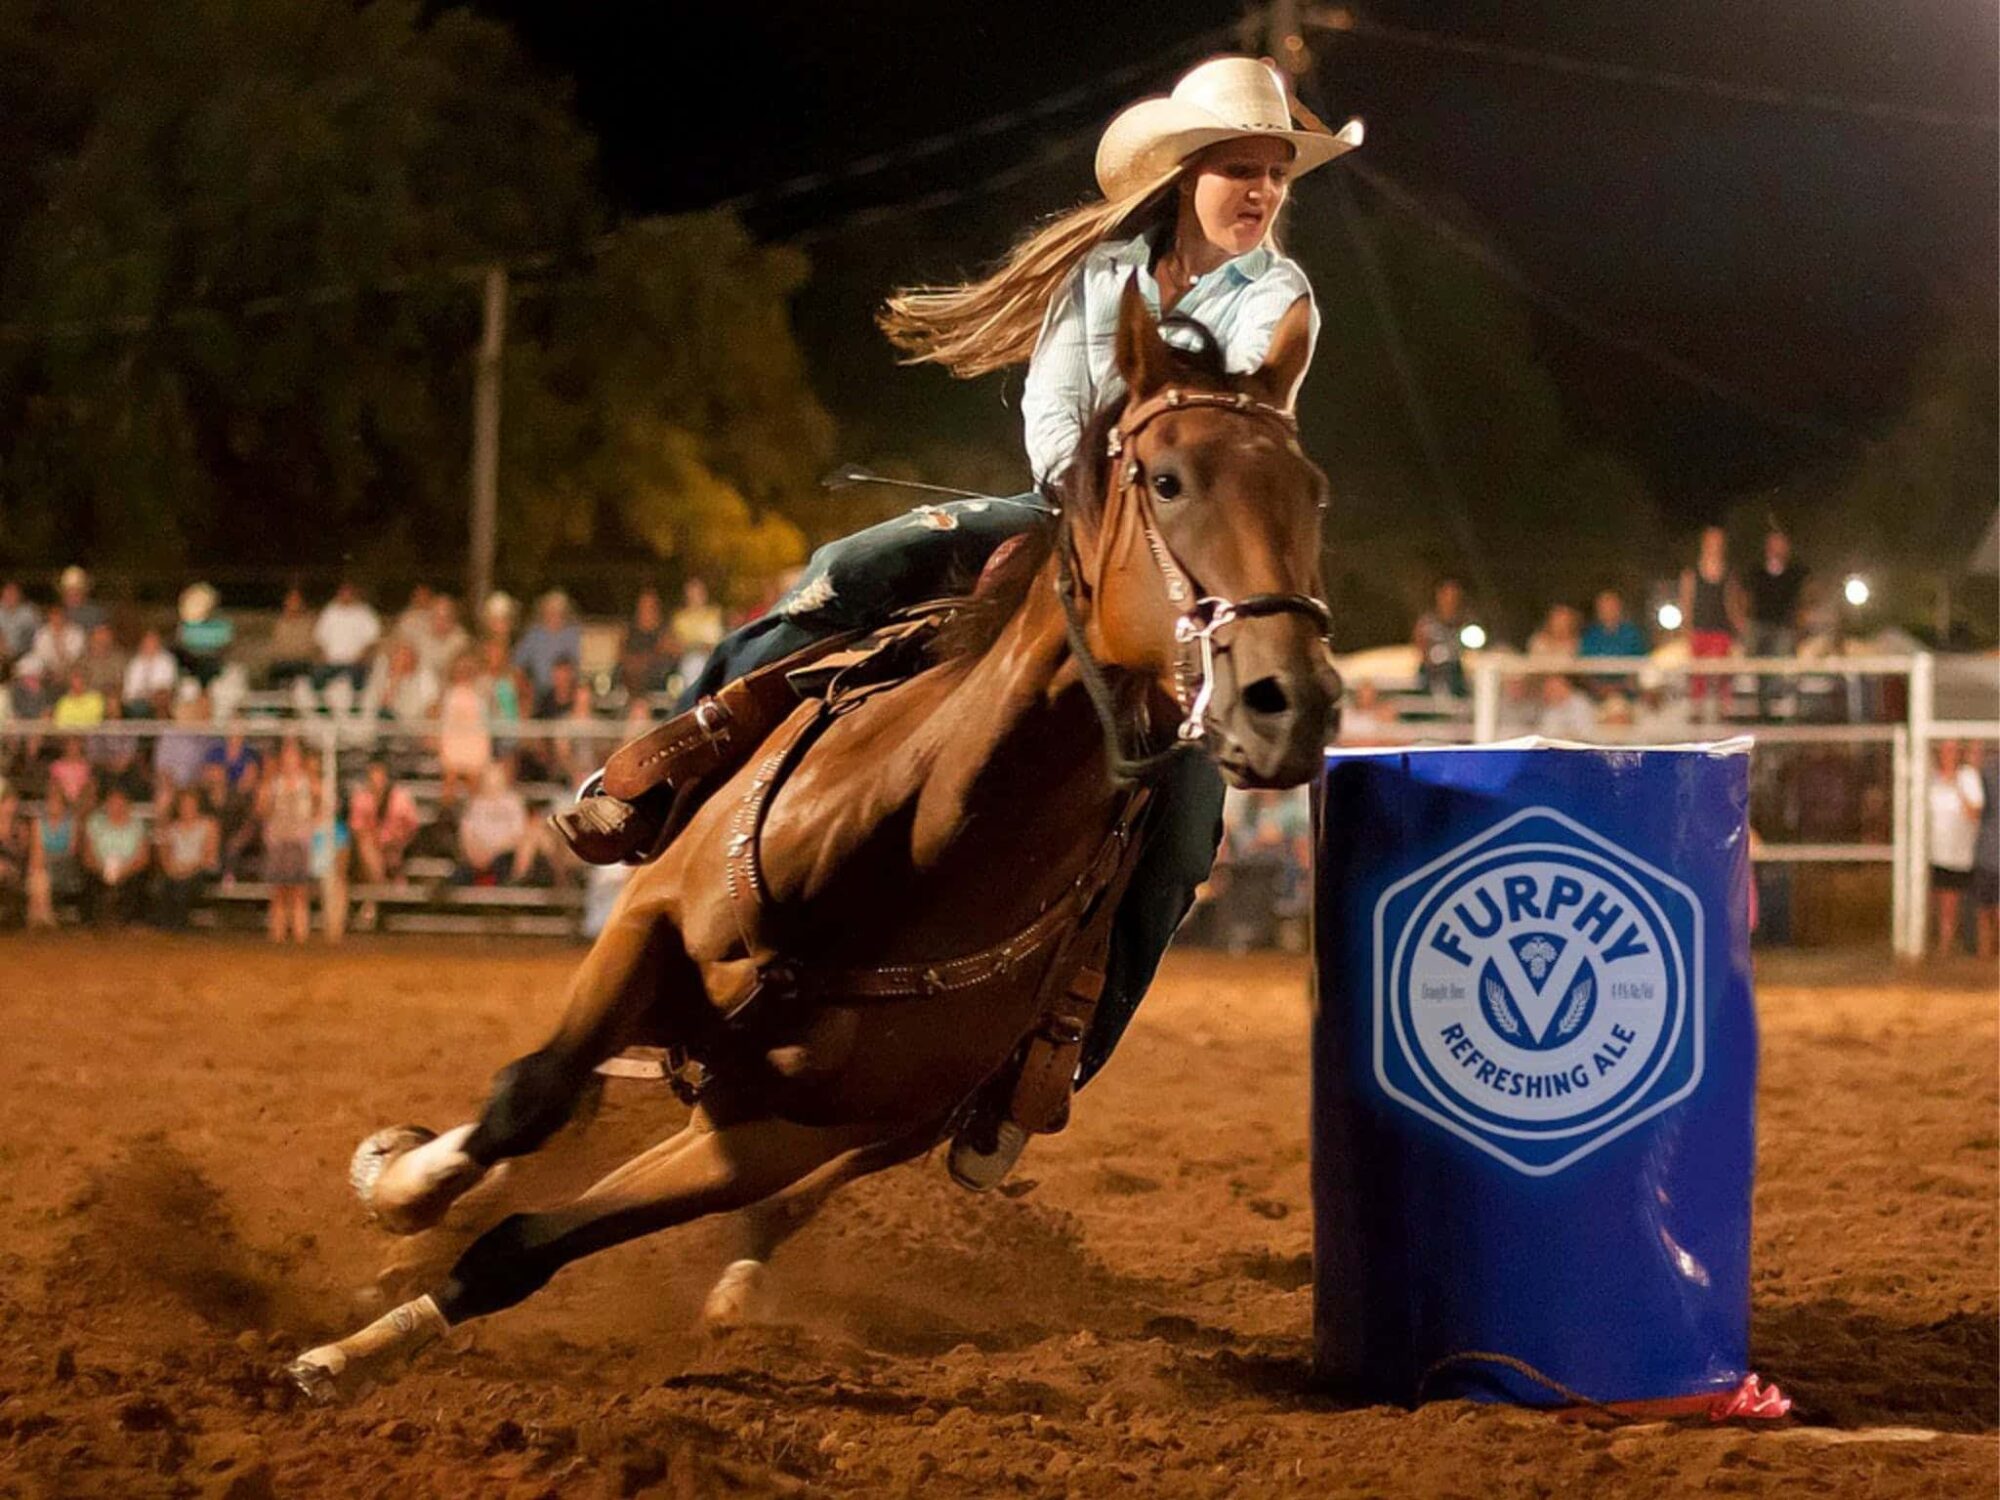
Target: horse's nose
column 1267, row 698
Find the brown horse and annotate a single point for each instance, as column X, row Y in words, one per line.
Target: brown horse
column 861, row 927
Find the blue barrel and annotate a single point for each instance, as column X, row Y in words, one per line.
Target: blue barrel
column 1534, row 1060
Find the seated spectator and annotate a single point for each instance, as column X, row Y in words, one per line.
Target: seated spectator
column 438, row 639
column 384, row 819
column 465, row 744
column 1560, row 634
column 409, row 623
column 205, row 634
column 554, row 637
column 1612, row 632
column 27, row 691
column 73, row 588
column 189, row 854
column 236, row 755
column 291, row 643
column 649, row 651
column 558, row 700
column 104, row 664
column 345, row 636
column 234, row 809
column 288, row 808
column 82, row 706
column 116, row 855
column 55, row 870
column 577, row 755
column 490, row 830
column 118, row 763
column 698, row 627
column 58, row 645
column 497, row 618
column 72, row 774
column 1365, row 719
column 19, row 620
column 1566, row 713
column 17, row 853
column 400, row 687
column 501, row 682
column 147, row 691
column 179, row 753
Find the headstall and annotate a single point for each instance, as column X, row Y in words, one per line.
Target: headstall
column 1200, row 617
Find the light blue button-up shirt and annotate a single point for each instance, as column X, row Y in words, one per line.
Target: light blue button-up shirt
column 1074, row 370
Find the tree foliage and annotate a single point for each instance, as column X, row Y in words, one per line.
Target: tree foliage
column 272, row 196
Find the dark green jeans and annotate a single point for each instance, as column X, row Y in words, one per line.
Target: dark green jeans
column 939, row 549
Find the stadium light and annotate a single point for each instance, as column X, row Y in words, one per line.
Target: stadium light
column 1855, row 590
column 1472, row 637
column 1670, row 617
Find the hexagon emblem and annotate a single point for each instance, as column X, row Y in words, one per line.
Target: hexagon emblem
column 1538, row 991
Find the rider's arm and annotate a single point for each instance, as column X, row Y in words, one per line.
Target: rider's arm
column 1058, row 396
column 1263, row 308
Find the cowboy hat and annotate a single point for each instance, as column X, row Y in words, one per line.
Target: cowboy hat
column 1223, row 99
column 73, row 579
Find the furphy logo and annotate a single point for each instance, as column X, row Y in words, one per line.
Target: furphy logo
column 1538, row 991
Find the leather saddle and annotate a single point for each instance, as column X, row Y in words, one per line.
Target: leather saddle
column 651, row 786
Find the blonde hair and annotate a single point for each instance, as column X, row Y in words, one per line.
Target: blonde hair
column 980, row 326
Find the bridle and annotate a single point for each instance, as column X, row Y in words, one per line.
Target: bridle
column 1200, row 617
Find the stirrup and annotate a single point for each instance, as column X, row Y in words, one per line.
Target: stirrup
column 977, row 1168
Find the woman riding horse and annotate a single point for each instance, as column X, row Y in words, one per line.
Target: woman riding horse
column 826, row 936
column 1194, row 184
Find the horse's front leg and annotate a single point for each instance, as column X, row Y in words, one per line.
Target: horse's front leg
column 638, row 965
column 703, row 1170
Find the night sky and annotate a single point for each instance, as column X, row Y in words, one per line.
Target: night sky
column 1789, row 251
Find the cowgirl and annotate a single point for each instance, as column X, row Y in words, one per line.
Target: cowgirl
column 1193, row 187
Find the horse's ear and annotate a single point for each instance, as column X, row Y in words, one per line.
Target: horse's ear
column 1143, row 356
column 1277, row 381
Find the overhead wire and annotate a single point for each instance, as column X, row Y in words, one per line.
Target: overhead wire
column 1346, row 22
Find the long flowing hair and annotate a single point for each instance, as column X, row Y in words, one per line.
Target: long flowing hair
column 980, row 326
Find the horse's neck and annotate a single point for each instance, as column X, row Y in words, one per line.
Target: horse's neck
column 1017, row 730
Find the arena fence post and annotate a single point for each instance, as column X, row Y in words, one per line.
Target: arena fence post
column 1900, row 925
column 1485, row 700
column 1922, row 713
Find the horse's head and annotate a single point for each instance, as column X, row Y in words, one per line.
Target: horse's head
column 1202, row 556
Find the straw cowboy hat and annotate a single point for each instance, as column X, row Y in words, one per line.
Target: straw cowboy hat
column 1223, row 99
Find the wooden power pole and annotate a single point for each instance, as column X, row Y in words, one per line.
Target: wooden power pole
column 486, row 440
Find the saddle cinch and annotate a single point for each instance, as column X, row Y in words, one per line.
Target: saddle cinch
column 653, row 785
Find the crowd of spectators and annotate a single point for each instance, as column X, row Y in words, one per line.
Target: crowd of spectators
column 456, row 731
column 155, row 763
column 1772, row 610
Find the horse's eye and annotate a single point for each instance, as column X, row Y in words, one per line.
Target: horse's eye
column 1166, row 486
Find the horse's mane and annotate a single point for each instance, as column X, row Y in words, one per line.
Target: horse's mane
column 1198, row 363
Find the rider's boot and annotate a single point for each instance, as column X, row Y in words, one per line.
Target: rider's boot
column 601, row 829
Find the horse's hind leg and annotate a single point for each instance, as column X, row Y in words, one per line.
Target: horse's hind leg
column 705, row 1169
column 616, row 991
column 742, row 1295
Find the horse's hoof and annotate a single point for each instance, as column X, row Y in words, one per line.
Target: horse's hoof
column 977, row 1167
column 742, row 1297
column 335, row 1372
column 372, row 1158
column 316, row 1380
column 417, row 1182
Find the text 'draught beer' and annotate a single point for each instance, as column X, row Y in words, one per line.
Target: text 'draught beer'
column 1534, row 1061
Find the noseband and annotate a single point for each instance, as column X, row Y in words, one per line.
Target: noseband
column 1200, row 617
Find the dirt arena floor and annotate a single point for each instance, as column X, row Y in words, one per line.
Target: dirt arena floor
column 1131, row 1318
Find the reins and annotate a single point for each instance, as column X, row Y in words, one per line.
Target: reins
column 1200, row 617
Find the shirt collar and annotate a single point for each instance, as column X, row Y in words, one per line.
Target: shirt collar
column 1245, row 268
